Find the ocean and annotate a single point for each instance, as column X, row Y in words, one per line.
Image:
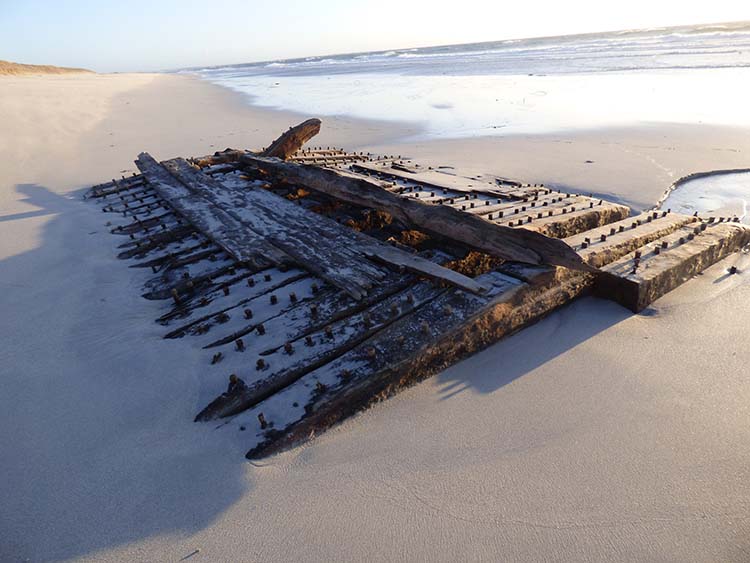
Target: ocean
column 689, row 74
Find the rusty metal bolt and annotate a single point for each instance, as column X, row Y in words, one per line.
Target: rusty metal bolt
column 260, row 364
column 703, row 226
column 371, row 353
column 499, row 213
column 603, row 237
column 549, row 213
column 656, row 250
column 293, row 297
column 732, row 270
column 240, row 345
column 222, row 317
column 584, row 244
column 682, row 240
column 274, row 300
column 288, row 348
column 267, row 277
column 664, row 244
column 217, row 358
column 262, row 420
column 175, row 296
column 637, row 254
column 261, row 329
column 248, row 313
column 489, row 216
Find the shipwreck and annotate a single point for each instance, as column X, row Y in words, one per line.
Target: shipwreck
column 320, row 281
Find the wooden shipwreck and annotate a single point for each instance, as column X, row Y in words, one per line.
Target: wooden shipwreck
column 320, row 281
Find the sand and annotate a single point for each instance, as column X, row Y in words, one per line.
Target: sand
column 594, row 435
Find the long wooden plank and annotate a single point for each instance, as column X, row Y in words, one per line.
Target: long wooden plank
column 335, row 249
column 215, row 223
column 441, row 221
column 320, row 245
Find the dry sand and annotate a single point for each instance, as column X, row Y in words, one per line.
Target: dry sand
column 594, row 435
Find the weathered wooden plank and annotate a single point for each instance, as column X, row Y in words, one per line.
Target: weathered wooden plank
column 280, row 221
column 638, row 279
column 315, row 242
column 413, row 263
column 212, row 221
column 319, row 347
column 441, row 221
column 444, row 330
column 432, row 178
column 606, row 244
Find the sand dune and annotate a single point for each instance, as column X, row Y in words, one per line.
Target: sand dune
column 9, row 68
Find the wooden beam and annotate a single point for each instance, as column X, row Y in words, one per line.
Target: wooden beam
column 321, row 245
column 503, row 242
column 291, row 141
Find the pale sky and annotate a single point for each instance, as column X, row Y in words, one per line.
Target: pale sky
column 156, row 35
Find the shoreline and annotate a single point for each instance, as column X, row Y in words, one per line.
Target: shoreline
column 595, row 434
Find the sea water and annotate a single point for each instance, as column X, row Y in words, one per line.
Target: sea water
column 695, row 74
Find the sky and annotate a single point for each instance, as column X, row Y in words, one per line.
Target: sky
column 144, row 35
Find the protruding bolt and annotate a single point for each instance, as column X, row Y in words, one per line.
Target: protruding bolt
column 240, row 345
column 216, row 358
column 425, row 327
column 664, row 244
column 262, row 420
column 309, row 340
column 346, row 374
column 394, row 309
column 261, row 329
column 320, row 387
column 371, row 353
column 293, row 297
column 267, row 277
column 328, row 332
column 288, row 348
column 314, row 288
column 313, row 311
column 410, row 299
column 225, row 289
column 175, row 296
column 260, row 364
column 656, row 250
column 248, row 313
column 603, row 237
column 250, row 282
column 732, row 270
column 274, row 300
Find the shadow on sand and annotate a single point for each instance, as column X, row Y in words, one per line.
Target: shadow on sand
column 98, row 445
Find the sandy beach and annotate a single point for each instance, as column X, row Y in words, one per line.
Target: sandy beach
column 594, row 435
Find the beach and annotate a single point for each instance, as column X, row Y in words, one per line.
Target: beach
column 596, row 434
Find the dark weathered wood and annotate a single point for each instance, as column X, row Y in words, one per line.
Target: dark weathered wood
column 448, row 328
column 335, row 340
column 330, row 250
column 637, row 281
column 504, row 242
column 293, row 139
